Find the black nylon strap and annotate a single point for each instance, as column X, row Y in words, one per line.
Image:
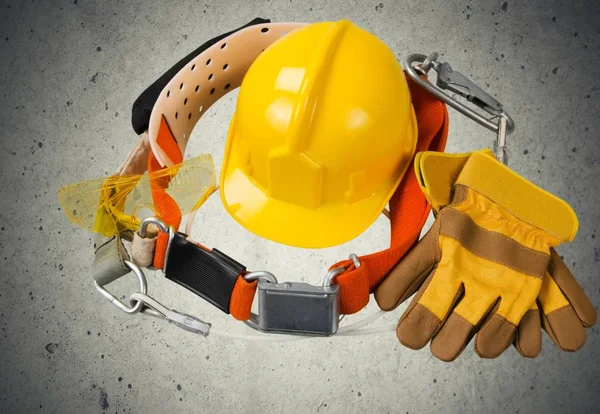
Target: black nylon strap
column 142, row 107
column 209, row 274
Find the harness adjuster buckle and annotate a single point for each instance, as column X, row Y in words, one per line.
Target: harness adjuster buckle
column 298, row 308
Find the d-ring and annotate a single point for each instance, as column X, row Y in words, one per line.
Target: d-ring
column 332, row 274
column 152, row 220
column 336, row 271
column 260, row 275
column 427, row 64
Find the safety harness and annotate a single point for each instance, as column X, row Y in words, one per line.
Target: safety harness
column 162, row 116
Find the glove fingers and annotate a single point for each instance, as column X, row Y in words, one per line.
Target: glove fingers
column 452, row 339
column 458, row 330
column 419, row 324
column 415, row 325
column 564, row 328
column 410, row 273
column 528, row 338
column 494, row 337
column 571, row 290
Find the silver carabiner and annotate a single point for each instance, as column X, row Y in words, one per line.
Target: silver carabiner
column 448, row 79
column 143, row 289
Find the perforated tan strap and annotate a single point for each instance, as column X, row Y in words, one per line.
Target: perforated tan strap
column 208, row 77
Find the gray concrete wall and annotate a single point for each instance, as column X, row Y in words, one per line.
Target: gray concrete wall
column 69, row 72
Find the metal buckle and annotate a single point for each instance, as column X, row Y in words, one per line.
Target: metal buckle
column 143, row 289
column 250, row 277
column 448, row 79
column 297, row 308
column 336, row 271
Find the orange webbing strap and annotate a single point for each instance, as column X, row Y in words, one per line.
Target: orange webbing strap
column 408, row 212
column 166, row 208
column 241, row 300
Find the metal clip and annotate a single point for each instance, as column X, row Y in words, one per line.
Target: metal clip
column 295, row 308
column 460, row 84
column 298, row 308
column 448, row 79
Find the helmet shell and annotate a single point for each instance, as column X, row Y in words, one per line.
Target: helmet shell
column 323, row 132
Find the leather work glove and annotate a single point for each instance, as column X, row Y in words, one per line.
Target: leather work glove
column 480, row 267
column 562, row 307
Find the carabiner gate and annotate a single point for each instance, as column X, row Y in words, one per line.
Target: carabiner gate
column 448, row 79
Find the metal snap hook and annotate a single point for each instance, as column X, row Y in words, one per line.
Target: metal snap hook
column 184, row 321
column 143, row 289
column 454, row 81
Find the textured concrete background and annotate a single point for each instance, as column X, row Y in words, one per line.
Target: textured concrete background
column 69, row 72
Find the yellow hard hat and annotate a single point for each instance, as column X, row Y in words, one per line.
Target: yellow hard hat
column 323, row 133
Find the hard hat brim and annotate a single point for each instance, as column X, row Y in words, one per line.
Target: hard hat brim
column 291, row 224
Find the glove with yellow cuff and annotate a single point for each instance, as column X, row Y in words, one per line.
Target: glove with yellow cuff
column 562, row 307
column 481, row 266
